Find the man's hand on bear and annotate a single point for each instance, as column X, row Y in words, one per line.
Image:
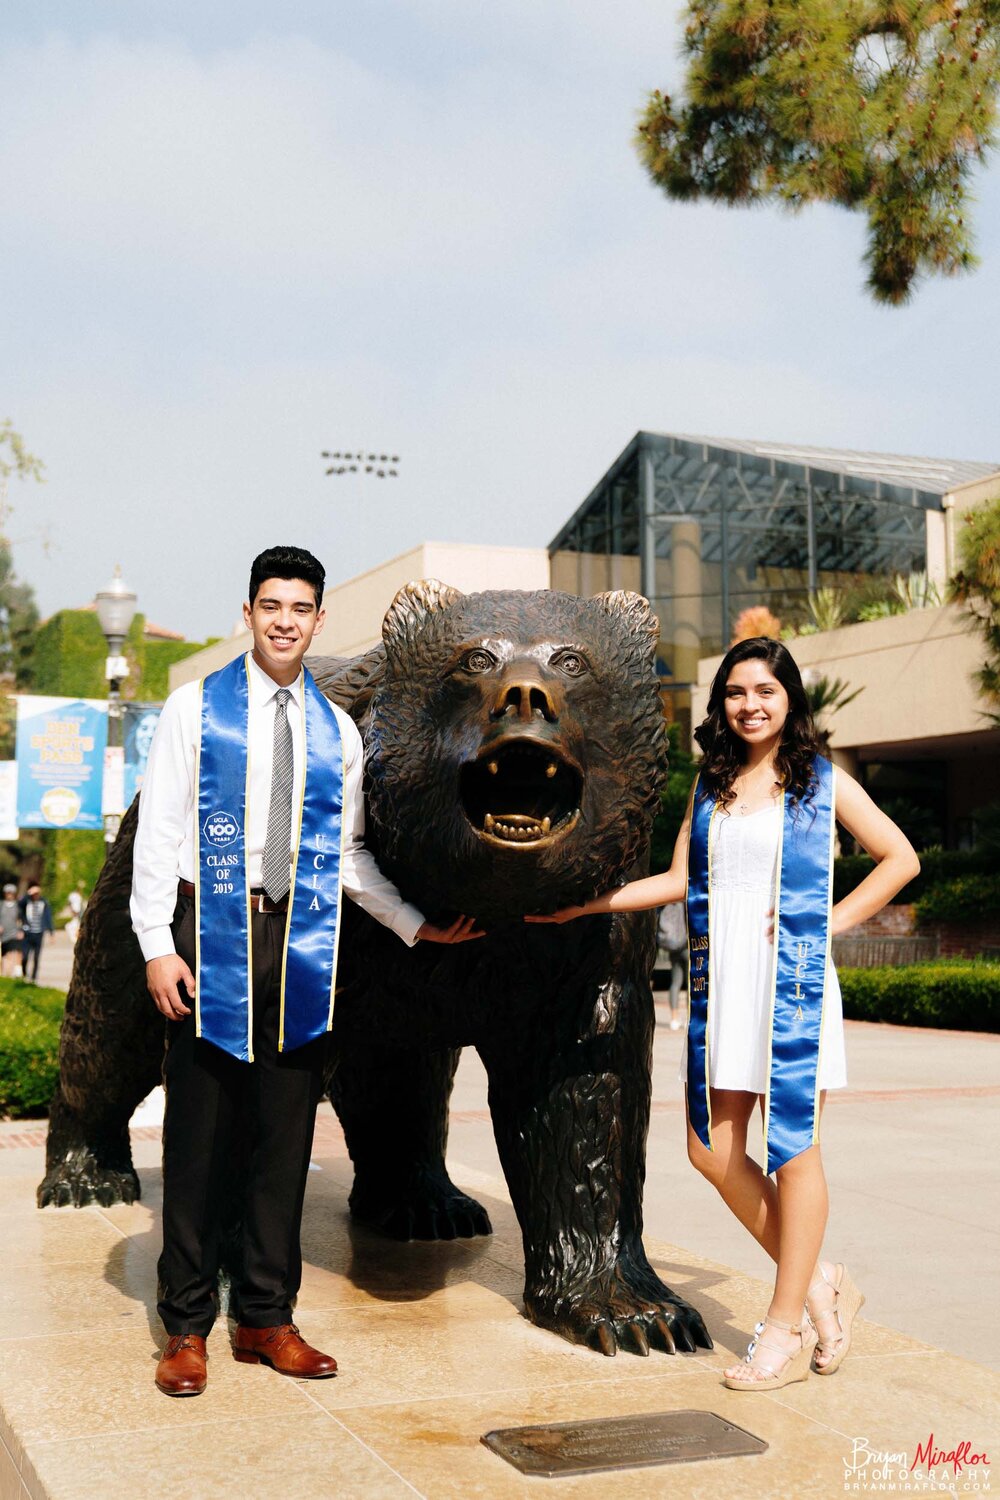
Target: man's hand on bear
column 460, row 931
column 164, row 977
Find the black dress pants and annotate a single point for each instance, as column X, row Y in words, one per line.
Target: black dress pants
column 219, row 1111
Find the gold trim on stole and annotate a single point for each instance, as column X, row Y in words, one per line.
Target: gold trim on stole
column 340, row 878
column 774, row 969
column 246, row 871
column 197, row 865
column 828, row 954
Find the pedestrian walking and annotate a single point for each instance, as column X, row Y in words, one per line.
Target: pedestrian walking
column 11, row 932
column 76, row 904
column 36, row 921
column 671, row 943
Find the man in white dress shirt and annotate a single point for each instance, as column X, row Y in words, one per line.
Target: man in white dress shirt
column 212, row 1096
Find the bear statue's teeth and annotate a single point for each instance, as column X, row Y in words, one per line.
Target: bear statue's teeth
column 518, row 832
column 521, row 793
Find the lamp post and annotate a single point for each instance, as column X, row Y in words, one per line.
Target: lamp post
column 115, row 605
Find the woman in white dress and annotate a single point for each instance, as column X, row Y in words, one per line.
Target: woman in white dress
column 759, row 743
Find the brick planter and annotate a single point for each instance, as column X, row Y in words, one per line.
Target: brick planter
column 891, row 938
column 967, row 939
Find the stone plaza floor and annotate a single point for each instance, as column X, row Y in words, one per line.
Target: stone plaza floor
column 434, row 1352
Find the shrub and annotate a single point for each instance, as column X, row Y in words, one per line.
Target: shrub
column 757, row 620
column 30, row 1016
column 73, row 856
column 673, row 801
column 957, row 994
column 936, row 865
column 968, row 899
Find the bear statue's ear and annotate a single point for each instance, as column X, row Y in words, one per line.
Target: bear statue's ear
column 636, row 611
column 409, row 611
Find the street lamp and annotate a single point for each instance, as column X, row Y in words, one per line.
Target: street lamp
column 115, row 607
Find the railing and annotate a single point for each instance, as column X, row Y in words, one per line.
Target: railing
column 874, row 952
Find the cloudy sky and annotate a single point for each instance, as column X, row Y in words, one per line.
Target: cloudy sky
column 237, row 234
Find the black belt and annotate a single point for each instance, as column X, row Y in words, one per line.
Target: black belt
column 259, row 899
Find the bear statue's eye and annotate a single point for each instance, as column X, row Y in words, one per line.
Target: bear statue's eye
column 478, row 660
column 570, row 662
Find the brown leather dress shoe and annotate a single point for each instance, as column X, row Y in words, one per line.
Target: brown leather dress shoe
column 181, row 1370
column 284, row 1349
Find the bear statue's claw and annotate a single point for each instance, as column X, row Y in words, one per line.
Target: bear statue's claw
column 80, row 1178
column 431, row 1208
column 604, row 1339
column 607, row 1316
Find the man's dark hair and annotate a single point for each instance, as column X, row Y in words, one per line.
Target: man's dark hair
column 287, row 562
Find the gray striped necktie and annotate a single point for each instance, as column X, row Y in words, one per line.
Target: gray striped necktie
column 278, row 843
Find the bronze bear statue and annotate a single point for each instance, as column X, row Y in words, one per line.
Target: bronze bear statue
column 514, row 753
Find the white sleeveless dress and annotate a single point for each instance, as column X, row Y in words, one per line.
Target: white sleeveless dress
column 744, row 866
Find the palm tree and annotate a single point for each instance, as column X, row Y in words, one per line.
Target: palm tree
column 824, row 696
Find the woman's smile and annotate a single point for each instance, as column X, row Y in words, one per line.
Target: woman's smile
column 755, row 703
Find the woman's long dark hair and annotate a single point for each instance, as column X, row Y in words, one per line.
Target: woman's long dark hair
column 723, row 752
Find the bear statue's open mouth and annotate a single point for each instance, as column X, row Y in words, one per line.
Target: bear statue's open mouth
column 520, row 794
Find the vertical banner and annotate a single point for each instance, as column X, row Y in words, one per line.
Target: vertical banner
column 8, row 800
column 113, row 794
column 60, row 761
column 139, row 721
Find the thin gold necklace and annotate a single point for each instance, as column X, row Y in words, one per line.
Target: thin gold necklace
column 744, row 810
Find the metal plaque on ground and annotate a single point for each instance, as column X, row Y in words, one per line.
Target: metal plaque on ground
column 635, row 1442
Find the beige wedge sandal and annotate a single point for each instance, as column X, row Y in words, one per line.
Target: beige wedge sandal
column 788, row 1367
column 847, row 1303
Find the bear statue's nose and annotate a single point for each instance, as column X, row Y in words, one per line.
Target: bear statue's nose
column 524, row 698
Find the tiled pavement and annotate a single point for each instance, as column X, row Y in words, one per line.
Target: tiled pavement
column 433, row 1350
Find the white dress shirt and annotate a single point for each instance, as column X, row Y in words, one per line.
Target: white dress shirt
column 166, row 841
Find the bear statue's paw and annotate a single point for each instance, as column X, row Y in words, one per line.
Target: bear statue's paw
column 80, row 1177
column 427, row 1206
column 621, row 1309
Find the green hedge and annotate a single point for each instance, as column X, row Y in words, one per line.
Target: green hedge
column 30, row 1016
column 673, row 801
column 971, row 898
column 158, row 658
column 70, row 652
column 73, row 856
column 936, row 865
column 956, row 994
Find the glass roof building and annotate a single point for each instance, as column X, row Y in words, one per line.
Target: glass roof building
column 707, row 527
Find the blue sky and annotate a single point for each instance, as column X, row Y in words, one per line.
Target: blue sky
column 238, row 234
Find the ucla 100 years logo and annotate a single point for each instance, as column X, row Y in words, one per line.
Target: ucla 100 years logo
column 221, row 829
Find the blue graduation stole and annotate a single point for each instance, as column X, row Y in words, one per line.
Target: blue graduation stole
column 223, row 966
column 801, row 956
